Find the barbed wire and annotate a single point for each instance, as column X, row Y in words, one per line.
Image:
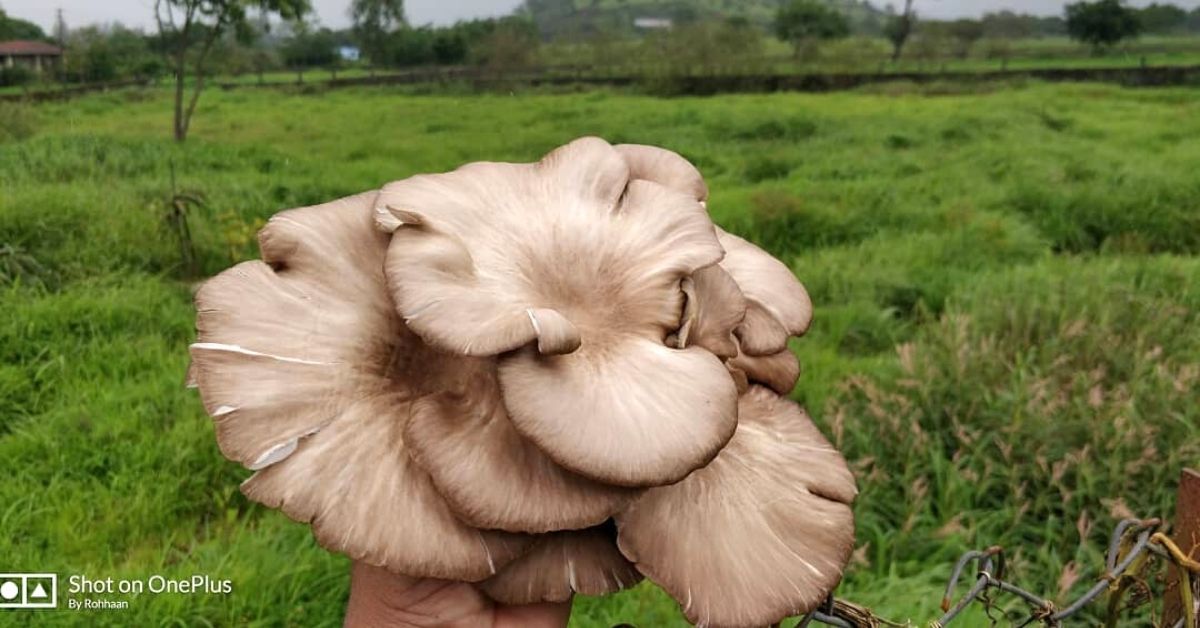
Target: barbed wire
column 1135, row 544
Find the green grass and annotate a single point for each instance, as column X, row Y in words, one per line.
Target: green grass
column 1005, row 346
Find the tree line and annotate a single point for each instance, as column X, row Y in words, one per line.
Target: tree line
column 1098, row 23
column 196, row 39
column 238, row 38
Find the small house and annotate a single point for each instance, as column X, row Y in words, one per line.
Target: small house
column 34, row 55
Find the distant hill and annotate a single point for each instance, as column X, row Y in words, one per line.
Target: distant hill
column 556, row 18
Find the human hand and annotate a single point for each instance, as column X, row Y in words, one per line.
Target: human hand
column 380, row 598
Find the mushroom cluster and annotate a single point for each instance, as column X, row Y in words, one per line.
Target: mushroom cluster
column 547, row 379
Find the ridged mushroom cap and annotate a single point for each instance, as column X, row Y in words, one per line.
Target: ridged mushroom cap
column 570, row 272
column 492, row 477
column 714, row 307
column 562, row 564
column 309, row 375
column 664, row 167
column 778, row 371
column 762, row 533
column 777, row 305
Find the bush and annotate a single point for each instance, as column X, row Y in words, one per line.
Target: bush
column 17, row 122
column 16, row 75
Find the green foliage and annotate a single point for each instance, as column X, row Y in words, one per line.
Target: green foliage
column 17, row 122
column 1004, row 342
column 308, row 48
column 1102, row 23
column 505, row 42
column 1060, row 389
column 570, row 19
column 16, row 76
column 189, row 42
column 374, row 20
column 1163, row 19
column 899, row 28
column 800, row 21
column 1010, row 25
column 703, row 48
column 15, row 28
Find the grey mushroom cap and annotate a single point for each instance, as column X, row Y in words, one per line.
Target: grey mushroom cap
column 562, row 564
column 297, row 363
column 491, row 476
column 762, row 533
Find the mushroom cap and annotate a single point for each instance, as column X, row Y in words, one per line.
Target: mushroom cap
column 573, row 254
column 778, row 371
column 308, row 373
column 272, row 358
column 760, row 534
column 562, row 564
column 366, row 498
column 492, row 477
column 775, row 298
column 714, row 307
column 664, row 167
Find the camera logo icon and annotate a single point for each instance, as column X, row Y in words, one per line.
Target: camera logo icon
column 28, row 590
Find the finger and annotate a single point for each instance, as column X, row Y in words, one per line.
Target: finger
column 544, row 615
column 380, row 598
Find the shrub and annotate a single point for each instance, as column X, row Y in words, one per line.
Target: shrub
column 16, row 75
column 17, row 122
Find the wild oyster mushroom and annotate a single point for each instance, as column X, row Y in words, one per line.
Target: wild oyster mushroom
column 761, row 533
column 309, row 376
column 570, row 272
column 523, row 347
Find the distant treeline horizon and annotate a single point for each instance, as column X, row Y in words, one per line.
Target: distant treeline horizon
column 110, row 52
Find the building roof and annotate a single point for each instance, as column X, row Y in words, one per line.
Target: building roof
column 19, row 48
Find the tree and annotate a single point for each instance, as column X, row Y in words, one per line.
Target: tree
column 965, row 33
column 13, row 28
column 510, row 44
column 374, row 20
column 803, row 21
column 899, row 28
column 1163, row 18
column 309, row 48
column 188, row 29
column 1101, row 23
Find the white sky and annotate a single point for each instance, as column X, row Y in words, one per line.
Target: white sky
column 333, row 12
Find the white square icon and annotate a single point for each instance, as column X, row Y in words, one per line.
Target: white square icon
column 28, row 590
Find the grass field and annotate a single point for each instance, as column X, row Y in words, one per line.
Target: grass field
column 1005, row 347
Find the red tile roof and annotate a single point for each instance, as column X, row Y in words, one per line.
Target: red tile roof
column 28, row 49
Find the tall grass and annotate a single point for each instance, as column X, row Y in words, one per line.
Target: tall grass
column 1004, row 345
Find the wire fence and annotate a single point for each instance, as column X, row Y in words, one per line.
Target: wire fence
column 1137, row 547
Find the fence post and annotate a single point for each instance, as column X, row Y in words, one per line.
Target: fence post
column 1187, row 537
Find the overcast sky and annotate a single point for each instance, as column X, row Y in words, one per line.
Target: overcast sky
column 333, row 12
